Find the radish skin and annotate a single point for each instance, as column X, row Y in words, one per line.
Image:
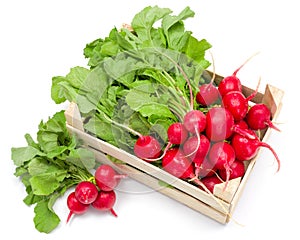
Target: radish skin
column 147, row 147
column 105, row 202
column 75, row 206
column 246, row 149
column 106, row 178
column 86, row 192
column 259, row 117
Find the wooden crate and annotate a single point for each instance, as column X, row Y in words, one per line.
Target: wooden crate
column 181, row 190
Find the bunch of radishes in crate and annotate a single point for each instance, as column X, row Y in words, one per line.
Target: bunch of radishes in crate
column 211, row 144
column 146, row 91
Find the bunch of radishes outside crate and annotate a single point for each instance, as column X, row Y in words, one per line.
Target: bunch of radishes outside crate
column 98, row 192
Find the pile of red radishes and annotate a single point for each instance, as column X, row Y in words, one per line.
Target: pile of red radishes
column 209, row 147
column 98, row 192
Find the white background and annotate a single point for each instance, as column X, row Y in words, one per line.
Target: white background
column 42, row 39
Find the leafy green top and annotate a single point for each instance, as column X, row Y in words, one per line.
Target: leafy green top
column 49, row 167
column 135, row 77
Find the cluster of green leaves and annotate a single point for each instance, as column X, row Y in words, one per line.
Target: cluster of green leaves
column 49, row 167
column 135, row 77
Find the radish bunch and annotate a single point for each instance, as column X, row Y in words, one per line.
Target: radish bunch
column 210, row 146
column 99, row 192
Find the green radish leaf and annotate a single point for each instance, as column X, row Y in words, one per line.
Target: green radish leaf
column 143, row 22
column 47, row 182
column 82, row 158
column 24, row 154
column 45, row 220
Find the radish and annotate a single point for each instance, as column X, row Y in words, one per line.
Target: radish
column 237, row 169
column 75, row 206
column 220, row 125
column 177, row 164
column 194, row 121
column 196, row 148
column 210, row 182
column 180, row 166
column 232, row 83
column 208, row 93
column 222, row 155
column 107, row 178
column 177, row 133
column 147, row 147
column 259, row 117
column 246, row 149
column 86, row 192
column 242, row 124
column 237, row 103
column 105, row 201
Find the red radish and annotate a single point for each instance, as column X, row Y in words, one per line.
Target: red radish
column 196, row 148
column 232, row 83
column 206, row 169
column 210, row 182
column 259, row 117
column 75, row 206
column 237, row 103
column 208, row 92
column 246, row 149
column 222, row 155
column 237, row 169
column 180, row 166
column 177, row 164
column 207, row 95
column 220, row 125
column 147, row 147
column 195, row 121
column 107, row 178
column 86, row 192
column 242, row 124
column 105, row 201
column 177, row 133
